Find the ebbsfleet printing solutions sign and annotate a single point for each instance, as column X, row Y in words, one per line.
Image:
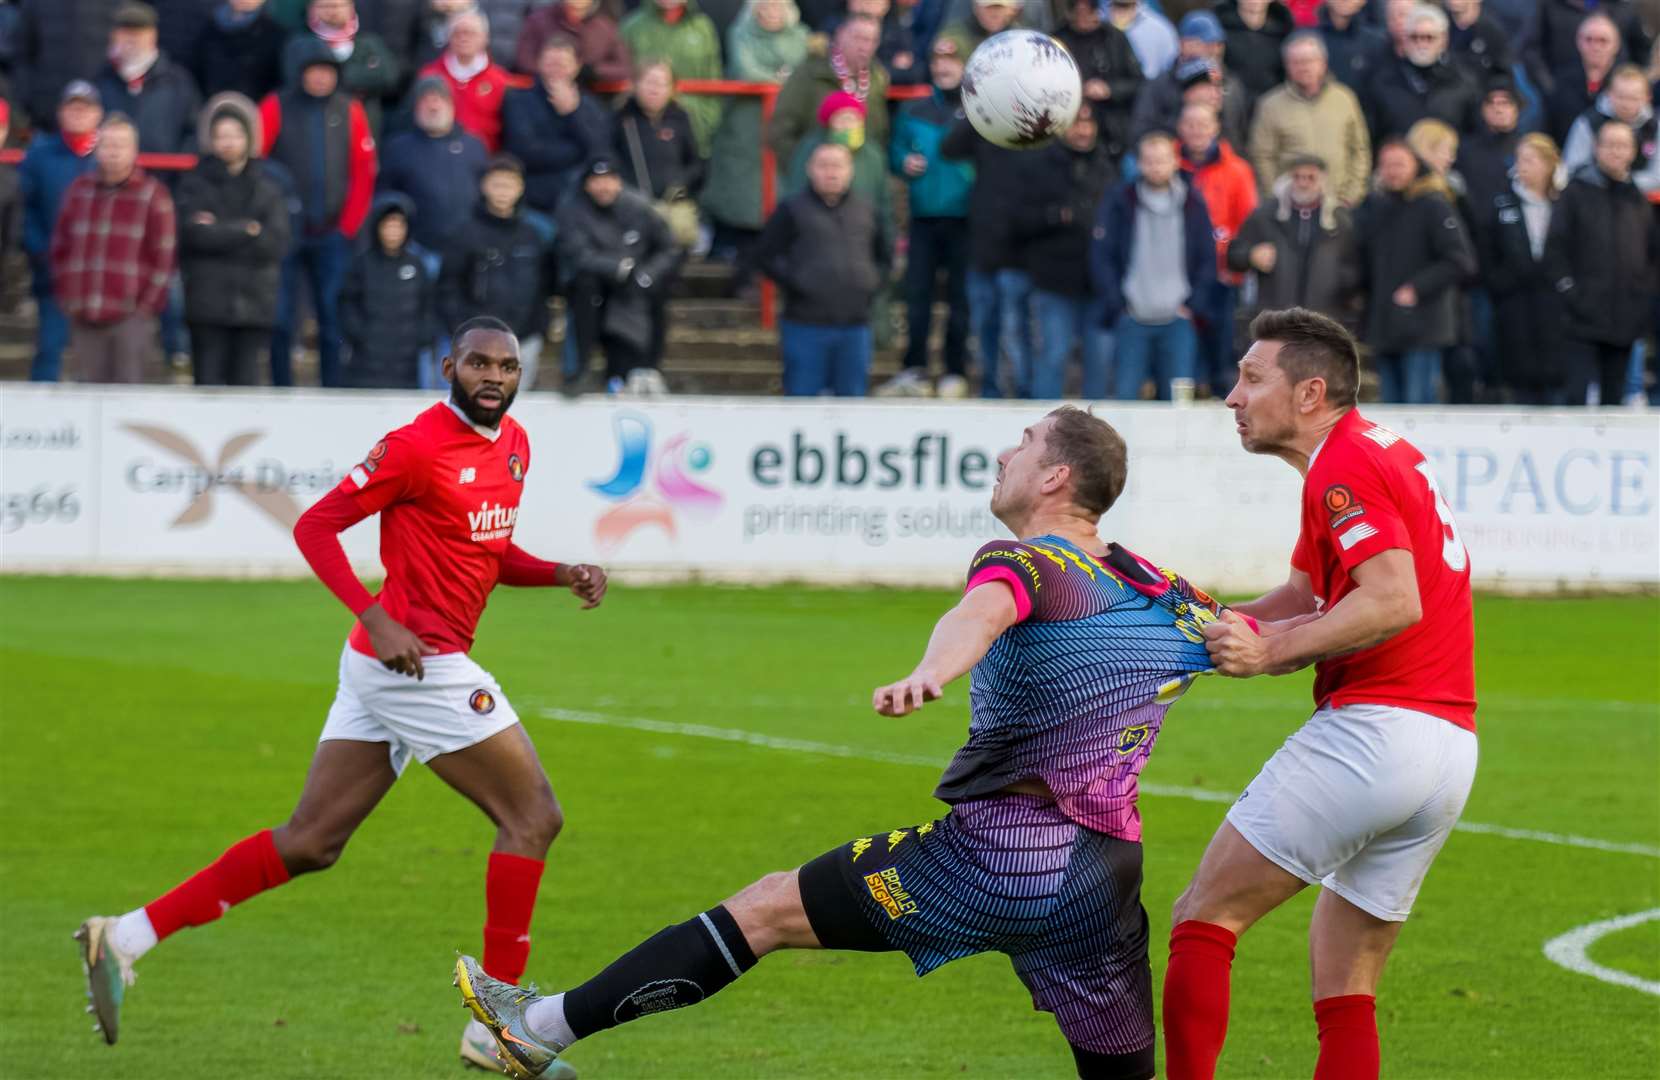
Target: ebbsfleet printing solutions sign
column 171, row 480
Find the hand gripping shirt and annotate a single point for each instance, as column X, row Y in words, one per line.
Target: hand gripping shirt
column 1075, row 692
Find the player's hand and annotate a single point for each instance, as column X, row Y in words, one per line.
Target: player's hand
column 1264, row 257
column 1405, row 296
column 1097, row 90
column 1235, row 649
column 588, row 583
column 906, row 696
column 395, row 644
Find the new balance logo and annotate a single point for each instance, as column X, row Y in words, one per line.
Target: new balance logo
column 1355, row 535
column 468, row 475
column 1382, row 436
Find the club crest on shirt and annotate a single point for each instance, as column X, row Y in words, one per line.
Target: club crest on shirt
column 515, row 468
column 1132, row 737
column 1340, row 503
column 372, row 462
column 482, row 702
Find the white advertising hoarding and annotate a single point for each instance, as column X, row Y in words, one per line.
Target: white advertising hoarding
column 171, row 480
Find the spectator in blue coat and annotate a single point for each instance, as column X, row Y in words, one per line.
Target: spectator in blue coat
column 1151, row 261
column 51, row 164
column 553, row 127
column 939, row 191
column 438, row 166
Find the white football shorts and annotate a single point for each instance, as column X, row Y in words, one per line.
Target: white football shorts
column 1359, row 801
column 457, row 705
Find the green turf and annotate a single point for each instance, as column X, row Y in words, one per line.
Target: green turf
column 146, row 725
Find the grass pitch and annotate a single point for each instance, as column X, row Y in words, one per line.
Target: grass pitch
column 146, row 725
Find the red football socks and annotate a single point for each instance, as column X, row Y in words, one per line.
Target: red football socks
column 509, row 899
column 247, row 868
column 1348, row 1037
column 1196, row 999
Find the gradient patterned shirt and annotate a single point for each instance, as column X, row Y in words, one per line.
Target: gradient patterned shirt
column 1075, row 692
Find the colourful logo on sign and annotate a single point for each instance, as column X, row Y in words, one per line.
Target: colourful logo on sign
column 652, row 487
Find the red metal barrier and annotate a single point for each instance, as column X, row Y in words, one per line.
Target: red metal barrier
column 766, row 92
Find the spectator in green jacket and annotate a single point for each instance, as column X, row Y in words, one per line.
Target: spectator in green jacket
column 849, row 66
column 677, row 32
column 764, row 45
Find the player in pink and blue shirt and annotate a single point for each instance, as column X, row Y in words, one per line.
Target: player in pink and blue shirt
column 1077, row 648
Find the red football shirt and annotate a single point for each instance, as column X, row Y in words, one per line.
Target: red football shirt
column 1367, row 491
column 448, row 496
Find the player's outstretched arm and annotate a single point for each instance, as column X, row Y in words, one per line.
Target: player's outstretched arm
column 959, row 641
column 1384, row 602
column 1288, row 601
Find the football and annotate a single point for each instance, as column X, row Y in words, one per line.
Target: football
column 1021, row 89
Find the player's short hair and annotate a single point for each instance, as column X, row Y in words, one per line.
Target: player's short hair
column 1094, row 451
column 1313, row 345
column 487, row 323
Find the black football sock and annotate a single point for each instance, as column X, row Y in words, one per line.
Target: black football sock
column 675, row 967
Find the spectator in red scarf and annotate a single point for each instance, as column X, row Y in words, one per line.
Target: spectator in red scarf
column 50, row 164
column 850, row 66
column 112, row 258
column 599, row 47
column 477, row 83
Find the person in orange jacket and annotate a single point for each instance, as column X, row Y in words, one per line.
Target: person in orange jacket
column 1229, row 187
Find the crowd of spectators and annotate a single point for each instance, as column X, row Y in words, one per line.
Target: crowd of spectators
column 1474, row 188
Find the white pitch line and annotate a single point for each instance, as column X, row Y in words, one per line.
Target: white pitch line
column 807, row 746
column 1569, row 951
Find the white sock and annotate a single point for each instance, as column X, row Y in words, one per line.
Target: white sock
column 545, row 1017
column 133, row 934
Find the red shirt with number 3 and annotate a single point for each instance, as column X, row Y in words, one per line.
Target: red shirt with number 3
column 1368, row 491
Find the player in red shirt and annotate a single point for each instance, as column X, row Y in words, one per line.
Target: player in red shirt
column 1361, row 798
column 447, row 487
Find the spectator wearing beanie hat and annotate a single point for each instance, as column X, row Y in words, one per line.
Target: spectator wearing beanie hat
column 436, row 164
column 1203, row 46
column 617, row 262
column 50, row 164
column 1486, row 156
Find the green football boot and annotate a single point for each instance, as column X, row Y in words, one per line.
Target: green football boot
column 500, row 1007
column 108, row 974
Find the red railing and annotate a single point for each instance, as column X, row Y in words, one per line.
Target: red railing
column 766, row 92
